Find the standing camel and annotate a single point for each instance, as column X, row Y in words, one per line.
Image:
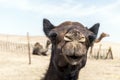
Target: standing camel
column 102, row 35
column 70, row 43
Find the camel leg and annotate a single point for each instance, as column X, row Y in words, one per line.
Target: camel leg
column 98, row 53
column 109, row 53
column 91, row 51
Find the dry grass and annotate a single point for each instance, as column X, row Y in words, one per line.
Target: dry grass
column 14, row 66
column 101, row 70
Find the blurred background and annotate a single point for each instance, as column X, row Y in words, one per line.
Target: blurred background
column 20, row 16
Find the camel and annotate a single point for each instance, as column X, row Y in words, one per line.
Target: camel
column 39, row 50
column 102, row 35
column 70, row 43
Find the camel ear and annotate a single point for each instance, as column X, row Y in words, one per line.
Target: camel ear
column 47, row 26
column 94, row 29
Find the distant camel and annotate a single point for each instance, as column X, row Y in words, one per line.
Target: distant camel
column 38, row 48
column 102, row 35
column 70, row 43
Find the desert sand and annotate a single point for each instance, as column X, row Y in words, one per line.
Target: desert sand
column 14, row 65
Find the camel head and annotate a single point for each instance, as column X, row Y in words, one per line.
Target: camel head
column 104, row 34
column 70, row 42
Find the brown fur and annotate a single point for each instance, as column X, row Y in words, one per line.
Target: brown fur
column 70, row 43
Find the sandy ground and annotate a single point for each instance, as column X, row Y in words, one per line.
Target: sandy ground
column 15, row 67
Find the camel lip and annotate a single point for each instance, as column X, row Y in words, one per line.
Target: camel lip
column 73, row 60
column 73, row 57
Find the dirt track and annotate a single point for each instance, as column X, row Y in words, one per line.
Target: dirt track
column 15, row 67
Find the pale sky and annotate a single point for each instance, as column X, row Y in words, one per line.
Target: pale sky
column 21, row 16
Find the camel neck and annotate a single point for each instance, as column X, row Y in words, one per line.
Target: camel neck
column 99, row 39
column 64, row 73
column 54, row 72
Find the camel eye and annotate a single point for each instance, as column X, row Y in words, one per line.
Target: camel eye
column 53, row 35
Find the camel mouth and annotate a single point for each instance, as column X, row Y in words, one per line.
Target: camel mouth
column 73, row 57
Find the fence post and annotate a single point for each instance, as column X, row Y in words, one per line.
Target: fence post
column 29, row 55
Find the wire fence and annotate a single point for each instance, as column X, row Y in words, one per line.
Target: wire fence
column 15, row 47
column 22, row 47
column 19, row 44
